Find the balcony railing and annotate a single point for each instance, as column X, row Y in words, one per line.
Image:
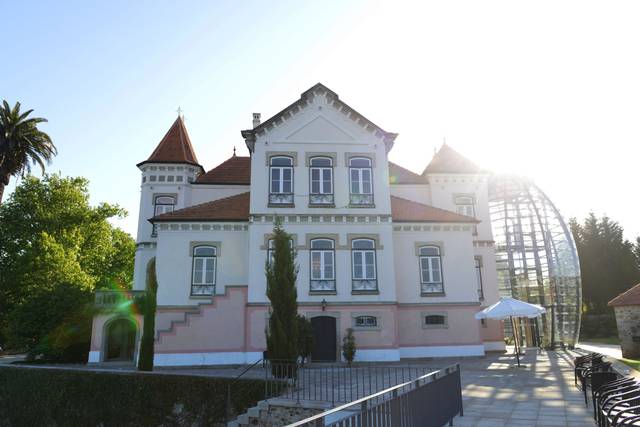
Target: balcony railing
column 321, row 199
column 323, row 285
column 116, row 299
column 281, row 199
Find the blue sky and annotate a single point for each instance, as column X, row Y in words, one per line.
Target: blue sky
column 547, row 90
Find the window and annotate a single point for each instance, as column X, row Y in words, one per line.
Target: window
column 478, row 268
column 203, row 275
column 360, row 181
column 162, row 205
column 271, row 249
column 465, row 206
column 435, row 320
column 281, row 180
column 321, row 181
column 430, row 270
column 322, row 262
column 365, row 322
column 363, row 260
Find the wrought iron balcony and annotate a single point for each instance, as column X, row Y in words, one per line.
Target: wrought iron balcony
column 323, row 286
column 361, row 199
column 281, row 198
column 431, row 288
column 364, row 285
column 320, row 199
column 116, row 299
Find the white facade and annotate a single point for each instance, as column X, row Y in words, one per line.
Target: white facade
column 409, row 321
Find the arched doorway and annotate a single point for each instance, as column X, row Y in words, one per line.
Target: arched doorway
column 121, row 340
column 324, row 335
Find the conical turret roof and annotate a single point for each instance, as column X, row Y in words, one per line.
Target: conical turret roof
column 175, row 147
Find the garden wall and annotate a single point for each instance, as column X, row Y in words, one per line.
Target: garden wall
column 36, row 396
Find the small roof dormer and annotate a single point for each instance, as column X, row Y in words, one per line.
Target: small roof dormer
column 175, row 147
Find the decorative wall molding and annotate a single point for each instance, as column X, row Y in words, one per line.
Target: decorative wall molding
column 202, row 226
column 321, row 219
column 483, row 243
column 421, row 227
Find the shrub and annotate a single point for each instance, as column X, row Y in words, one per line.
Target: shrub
column 32, row 396
column 598, row 326
column 349, row 346
column 145, row 362
column 305, row 338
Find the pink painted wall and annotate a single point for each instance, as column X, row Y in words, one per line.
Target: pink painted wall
column 462, row 327
column 494, row 331
column 216, row 327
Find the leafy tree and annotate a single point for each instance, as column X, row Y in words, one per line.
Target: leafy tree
column 145, row 362
column 21, row 143
column 609, row 264
column 349, row 346
column 50, row 236
column 305, row 338
column 281, row 274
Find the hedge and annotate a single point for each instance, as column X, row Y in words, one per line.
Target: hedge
column 31, row 396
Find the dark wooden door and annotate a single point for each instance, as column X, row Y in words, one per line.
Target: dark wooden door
column 121, row 340
column 324, row 334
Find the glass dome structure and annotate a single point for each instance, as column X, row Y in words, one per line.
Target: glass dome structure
column 536, row 257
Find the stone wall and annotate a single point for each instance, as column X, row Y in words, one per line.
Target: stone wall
column 628, row 320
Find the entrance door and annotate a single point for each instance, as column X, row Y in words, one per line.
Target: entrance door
column 324, row 334
column 121, row 339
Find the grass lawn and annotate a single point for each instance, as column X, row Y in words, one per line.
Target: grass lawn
column 607, row 340
column 635, row 364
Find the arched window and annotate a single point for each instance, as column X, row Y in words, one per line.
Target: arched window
column 203, row 275
column 161, row 205
column 322, row 266
column 365, row 322
column 465, row 206
column 363, row 262
column 430, row 270
column 321, row 181
column 281, row 180
column 360, row 181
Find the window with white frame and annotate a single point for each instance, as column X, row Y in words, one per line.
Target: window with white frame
column 363, row 262
column 430, row 270
column 365, row 321
column 360, row 181
column 322, row 264
column 162, row 205
column 478, row 268
column 203, row 275
column 465, row 206
column 321, row 181
column 281, row 180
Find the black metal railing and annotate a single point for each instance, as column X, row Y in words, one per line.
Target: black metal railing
column 433, row 399
column 115, row 299
column 334, row 383
column 234, row 389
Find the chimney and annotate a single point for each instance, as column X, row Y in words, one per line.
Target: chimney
column 256, row 119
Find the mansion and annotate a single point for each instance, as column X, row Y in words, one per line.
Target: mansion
column 404, row 259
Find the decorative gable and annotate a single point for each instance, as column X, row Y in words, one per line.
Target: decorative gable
column 319, row 130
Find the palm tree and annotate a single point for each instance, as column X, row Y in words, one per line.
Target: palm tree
column 21, row 144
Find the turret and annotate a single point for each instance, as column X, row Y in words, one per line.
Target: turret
column 166, row 186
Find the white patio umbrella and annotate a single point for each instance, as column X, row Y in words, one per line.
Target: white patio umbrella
column 508, row 308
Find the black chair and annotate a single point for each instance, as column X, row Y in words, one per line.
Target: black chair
column 584, row 362
column 587, row 373
column 616, row 403
column 607, row 389
column 599, row 380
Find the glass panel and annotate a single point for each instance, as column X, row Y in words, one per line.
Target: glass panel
column 210, row 272
column 328, row 265
column 424, row 269
column 363, row 244
column 355, row 181
column 321, row 161
column 315, row 181
column 435, row 270
column 366, row 181
column 326, row 181
column 370, row 261
column 275, row 180
column 429, row 250
column 434, row 319
column 204, row 251
column 197, row 270
column 360, row 162
column 281, row 161
column 357, row 265
column 322, row 244
column 165, row 200
column 463, row 200
column 316, row 265
column 286, row 180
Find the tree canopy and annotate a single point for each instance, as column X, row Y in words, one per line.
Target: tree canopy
column 609, row 263
column 51, row 237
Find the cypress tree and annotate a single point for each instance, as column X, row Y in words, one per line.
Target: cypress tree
column 145, row 361
column 281, row 273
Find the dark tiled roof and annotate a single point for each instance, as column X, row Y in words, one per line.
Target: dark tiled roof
column 387, row 137
column 448, row 160
column 175, row 147
column 400, row 175
column 629, row 297
column 403, row 210
column 235, row 170
column 233, row 208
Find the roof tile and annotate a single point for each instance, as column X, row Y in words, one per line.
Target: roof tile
column 175, row 147
column 233, row 208
column 403, row 210
column 400, row 175
column 234, row 170
column 448, row 160
column 629, row 297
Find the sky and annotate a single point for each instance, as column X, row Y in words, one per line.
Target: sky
column 547, row 89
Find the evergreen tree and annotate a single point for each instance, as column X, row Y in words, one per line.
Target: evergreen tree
column 609, row 264
column 281, row 273
column 145, row 361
